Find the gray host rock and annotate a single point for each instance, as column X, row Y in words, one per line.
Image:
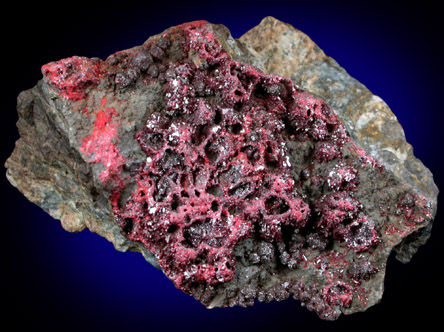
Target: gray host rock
column 248, row 168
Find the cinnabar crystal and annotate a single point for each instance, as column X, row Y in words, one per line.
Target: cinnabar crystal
column 237, row 183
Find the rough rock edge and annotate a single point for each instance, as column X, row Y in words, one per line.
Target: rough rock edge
column 34, row 171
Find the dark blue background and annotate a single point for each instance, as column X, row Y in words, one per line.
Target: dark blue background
column 62, row 281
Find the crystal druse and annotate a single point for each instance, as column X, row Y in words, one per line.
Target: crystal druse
column 231, row 165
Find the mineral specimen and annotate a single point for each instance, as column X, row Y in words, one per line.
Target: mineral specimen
column 218, row 160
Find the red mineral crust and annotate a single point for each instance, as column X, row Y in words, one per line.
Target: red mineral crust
column 72, row 75
column 243, row 175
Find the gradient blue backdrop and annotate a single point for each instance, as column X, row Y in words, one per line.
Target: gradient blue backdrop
column 62, row 281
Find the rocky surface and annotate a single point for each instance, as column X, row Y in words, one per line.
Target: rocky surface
column 244, row 169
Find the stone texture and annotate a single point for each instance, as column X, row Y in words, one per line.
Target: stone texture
column 276, row 47
column 205, row 154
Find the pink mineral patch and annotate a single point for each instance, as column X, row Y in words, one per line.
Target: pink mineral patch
column 101, row 147
column 71, row 76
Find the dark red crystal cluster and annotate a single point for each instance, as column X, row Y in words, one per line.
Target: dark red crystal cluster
column 233, row 155
column 218, row 171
